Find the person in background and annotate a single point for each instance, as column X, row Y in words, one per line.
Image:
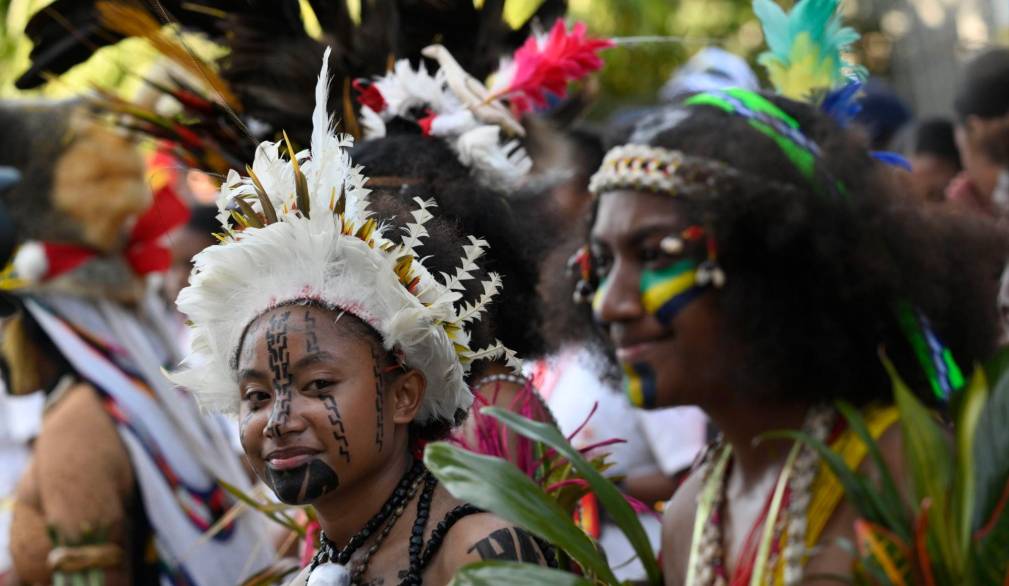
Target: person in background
column 882, row 115
column 185, row 242
column 982, row 108
column 935, row 160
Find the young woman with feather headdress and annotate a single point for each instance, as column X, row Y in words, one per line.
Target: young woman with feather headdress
column 328, row 334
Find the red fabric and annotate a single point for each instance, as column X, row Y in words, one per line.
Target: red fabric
column 65, row 257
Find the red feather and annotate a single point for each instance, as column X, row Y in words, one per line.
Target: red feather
column 547, row 68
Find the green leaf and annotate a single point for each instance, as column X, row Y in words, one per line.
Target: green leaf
column 991, row 476
column 499, row 573
column 893, row 508
column 497, row 486
column 970, row 406
column 927, row 454
column 609, row 496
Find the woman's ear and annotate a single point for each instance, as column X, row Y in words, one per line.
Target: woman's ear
column 407, row 395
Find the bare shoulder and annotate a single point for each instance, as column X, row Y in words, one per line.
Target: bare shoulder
column 83, row 468
column 484, row 536
column 677, row 529
column 833, row 557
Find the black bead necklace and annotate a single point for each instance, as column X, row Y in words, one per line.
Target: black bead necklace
column 400, row 496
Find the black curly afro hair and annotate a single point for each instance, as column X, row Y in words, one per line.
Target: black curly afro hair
column 814, row 278
column 428, row 168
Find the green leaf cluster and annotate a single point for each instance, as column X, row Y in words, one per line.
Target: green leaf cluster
column 499, row 487
column 952, row 529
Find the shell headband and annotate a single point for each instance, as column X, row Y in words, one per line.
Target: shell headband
column 305, row 233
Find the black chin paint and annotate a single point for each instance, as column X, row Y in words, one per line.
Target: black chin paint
column 304, row 484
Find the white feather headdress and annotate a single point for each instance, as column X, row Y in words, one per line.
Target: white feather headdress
column 478, row 121
column 306, row 234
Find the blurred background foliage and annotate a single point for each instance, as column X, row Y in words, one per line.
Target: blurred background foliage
column 915, row 44
column 632, row 75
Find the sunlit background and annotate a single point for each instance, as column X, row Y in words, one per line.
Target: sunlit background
column 914, row 45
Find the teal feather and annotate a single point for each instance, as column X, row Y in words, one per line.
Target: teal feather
column 819, row 21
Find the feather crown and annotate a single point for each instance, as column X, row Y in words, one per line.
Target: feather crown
column 479, row 121
column 305, row 233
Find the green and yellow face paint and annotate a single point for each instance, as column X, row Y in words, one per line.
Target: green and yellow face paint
column 665, row 292
column 639, row 384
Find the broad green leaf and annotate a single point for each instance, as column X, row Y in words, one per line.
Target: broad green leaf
column 499, row 573
column 991, row 475
column 609, row 496
column 991, row 453
column 497, row 486
column 927, row 454
column 893, row 508
column 970, row 406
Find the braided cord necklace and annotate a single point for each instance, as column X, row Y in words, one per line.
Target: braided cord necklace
column 706, row 566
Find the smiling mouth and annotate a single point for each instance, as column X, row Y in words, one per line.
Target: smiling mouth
column 637, row 351
column 289, row 458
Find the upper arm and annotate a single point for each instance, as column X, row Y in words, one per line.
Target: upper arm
column 677, row 530
column 832, row 556
column 485, row 537
column 83, row 470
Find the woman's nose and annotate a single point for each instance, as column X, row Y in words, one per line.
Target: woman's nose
column 283, row 418
column 618, row 297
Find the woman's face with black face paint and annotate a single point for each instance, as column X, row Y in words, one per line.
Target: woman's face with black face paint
column 315, row 414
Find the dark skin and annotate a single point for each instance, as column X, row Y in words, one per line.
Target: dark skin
column 692, row 359
column 313, row 430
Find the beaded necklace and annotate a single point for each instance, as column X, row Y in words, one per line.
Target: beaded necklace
column 706, row 566
column 420, row 554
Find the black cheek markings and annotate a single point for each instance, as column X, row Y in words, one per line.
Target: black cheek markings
column 379, row 401
column 283, row 382
column 303, row 484
column 339, row 432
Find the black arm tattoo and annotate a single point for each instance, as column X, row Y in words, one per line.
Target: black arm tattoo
column 511, row 544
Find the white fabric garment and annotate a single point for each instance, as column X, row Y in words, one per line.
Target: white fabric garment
column 663, row 440
column 168, row 424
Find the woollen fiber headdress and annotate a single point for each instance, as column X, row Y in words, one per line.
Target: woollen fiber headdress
column 480, row 122
column 306, row 235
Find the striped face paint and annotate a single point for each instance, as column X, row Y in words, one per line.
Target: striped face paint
column 665, row 292
column 639, row 384
column 599, row 295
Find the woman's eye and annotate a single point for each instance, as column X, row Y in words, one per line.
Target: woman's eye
column 255, row 398
column 319, row 384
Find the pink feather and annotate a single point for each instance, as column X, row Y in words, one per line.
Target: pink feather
column 547, row 67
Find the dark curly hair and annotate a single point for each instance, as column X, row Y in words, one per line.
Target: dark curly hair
column 814, row 278
column 430, row 169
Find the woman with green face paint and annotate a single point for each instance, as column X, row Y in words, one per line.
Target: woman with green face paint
column 748, row 256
